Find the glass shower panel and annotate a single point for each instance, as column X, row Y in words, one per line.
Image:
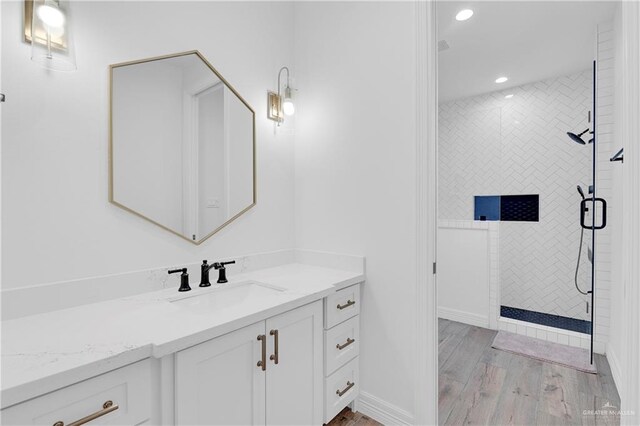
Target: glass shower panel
column 538, row 259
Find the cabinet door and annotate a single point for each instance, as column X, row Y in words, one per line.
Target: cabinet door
column 294, row 384
column 219, row 383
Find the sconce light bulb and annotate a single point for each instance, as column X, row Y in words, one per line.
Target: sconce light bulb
column 51, row 15
column 288, row 107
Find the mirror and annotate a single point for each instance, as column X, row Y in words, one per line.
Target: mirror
column 182, row 145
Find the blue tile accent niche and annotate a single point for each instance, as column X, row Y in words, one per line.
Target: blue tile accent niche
column 521, row 208
column 517, row 208
column 486, row 207
column 557, row 321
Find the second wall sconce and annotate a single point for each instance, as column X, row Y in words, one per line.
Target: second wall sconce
column 279, row 104
column 47, row 29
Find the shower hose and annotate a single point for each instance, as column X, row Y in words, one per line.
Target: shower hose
column 575, row 279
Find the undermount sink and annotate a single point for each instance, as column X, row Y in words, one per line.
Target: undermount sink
column 228, row 296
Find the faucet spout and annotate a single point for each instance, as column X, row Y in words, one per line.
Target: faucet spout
column 204, row 273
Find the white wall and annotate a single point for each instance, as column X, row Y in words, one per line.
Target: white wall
column 463, row 275
column 355, row 171
column 56, row 220
column 147, row 134
column 211, row 160
column 489, row 145
column 239, row 159
column 606, row 146
column 617, row 348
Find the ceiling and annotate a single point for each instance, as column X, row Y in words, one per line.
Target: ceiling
column 525, row 41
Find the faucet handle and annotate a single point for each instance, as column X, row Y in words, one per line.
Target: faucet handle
column 184, row 278
column 220, row 266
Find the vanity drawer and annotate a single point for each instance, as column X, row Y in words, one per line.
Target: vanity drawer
column 128, row 388
column 341, row 305
column 341, row 344
column 340, row 389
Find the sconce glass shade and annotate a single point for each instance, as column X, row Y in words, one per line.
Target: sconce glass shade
column 50, row 35
column 288, row 106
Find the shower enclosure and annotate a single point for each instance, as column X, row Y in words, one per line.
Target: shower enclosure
column 506, row 157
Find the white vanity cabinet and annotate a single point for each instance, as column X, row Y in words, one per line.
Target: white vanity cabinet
column 267, row 373
column 119, row 397
column 341, row 350
column 218, row 381
column 299, row 367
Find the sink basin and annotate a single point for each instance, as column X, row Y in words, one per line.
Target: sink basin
column 229, row 296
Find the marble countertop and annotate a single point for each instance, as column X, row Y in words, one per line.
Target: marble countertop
column 44, row 352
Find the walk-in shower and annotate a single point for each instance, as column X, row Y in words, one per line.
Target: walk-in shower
column 519, row 205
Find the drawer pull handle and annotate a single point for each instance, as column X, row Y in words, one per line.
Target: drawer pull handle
column 107, row 408
column 344, row 345
column 346, row 305
column 274, row 357
column 263, row 362
column 345, row 390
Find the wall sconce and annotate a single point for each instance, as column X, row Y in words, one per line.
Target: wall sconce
column 47, row 29
column 278, row 105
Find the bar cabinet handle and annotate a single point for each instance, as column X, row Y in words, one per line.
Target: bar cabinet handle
column 107, row 408
column 346, row 305
column 263, row 362
column 345, row 390
column 274, row 357
column 344, row 345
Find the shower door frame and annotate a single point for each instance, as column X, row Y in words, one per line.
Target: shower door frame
column 593, row 215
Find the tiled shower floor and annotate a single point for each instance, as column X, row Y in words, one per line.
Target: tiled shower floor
column 550, row 320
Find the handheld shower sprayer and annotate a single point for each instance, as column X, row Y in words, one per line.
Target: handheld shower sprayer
column 575, row 278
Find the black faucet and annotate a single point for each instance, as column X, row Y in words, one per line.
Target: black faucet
column 204, row 274
column 220, row 266
column 184, row 278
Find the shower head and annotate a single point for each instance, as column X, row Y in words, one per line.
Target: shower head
column 578, row 138
column 581, row 192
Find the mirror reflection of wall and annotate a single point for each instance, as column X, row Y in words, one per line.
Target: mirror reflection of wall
column 182, row 145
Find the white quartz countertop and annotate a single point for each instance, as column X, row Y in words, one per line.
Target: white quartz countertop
column 44, row 352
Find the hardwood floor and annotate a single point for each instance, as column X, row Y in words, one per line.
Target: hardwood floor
column 349, row 418
column 479, row 385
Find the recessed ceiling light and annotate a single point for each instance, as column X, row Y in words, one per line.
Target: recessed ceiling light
column 464, row 14
column 501, row 79
column 509, row 96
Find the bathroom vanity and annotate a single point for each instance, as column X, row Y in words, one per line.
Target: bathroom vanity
column 277, row 345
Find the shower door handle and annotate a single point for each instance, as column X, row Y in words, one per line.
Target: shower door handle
column 583, row 210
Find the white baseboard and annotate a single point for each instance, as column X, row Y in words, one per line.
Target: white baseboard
column 616, row 369
column 464, row 317
column 382, row 411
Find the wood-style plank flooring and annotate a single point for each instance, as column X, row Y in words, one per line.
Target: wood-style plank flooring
column 349, row 418
column 479, row 385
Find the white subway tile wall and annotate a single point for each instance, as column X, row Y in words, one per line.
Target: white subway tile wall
column 605, row 148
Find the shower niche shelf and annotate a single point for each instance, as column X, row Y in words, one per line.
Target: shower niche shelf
column 507, row 208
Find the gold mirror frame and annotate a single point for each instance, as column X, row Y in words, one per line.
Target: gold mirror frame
column 226, row 83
